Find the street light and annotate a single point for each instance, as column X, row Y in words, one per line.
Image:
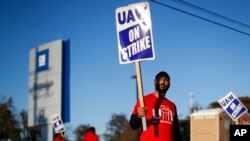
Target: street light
column 135, row 77
column 191, row 95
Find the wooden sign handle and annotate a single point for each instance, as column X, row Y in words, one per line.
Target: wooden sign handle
column 140, row 91
column 62, row 134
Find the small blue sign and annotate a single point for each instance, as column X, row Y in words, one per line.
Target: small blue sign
column 58, row 124
column 42, row 60
column 232, row 105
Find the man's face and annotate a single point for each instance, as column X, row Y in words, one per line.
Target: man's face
column 162, row 85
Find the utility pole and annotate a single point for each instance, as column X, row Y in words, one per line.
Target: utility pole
column 134, row 77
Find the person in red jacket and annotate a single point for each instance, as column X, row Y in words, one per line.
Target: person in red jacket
column 90, row 135
column 58, row 137
column 160, row 113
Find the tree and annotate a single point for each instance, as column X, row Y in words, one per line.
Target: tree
column 185, row 128
column 15, row 127
column 28, row 133
column 118, row 129
column 80, row 131
column 196, row 107
column 24, row 121
column 246, row 101
column 9, row 125
column 214, row 104
column 130, row 134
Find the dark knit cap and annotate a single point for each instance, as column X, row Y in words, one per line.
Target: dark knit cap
column 162, row 74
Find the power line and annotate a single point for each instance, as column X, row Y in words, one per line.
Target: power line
column 199, row 17
column 211, row 13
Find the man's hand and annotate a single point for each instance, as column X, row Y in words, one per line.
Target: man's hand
column 142, row 111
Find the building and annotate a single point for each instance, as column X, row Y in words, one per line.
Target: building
column 210, row 125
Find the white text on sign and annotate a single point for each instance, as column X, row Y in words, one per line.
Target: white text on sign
column 227, row 100
column 137, row 46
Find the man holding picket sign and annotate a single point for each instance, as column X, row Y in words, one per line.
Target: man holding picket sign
column 135, row 44
column 160, row 112
column 135, row 41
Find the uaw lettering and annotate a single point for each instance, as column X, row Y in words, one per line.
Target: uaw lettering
column 135, row 40
column 239, row 132
column 165, row 115
column 233, row 106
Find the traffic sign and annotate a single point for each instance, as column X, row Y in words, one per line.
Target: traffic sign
column 134, row 33
column 233, row 106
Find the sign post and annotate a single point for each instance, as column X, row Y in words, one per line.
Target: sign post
column 233, row 106
column 140, row 91
column 135, row 40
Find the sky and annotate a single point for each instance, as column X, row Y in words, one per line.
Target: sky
column 201, row 57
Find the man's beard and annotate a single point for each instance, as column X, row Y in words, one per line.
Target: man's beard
column 162, row 91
